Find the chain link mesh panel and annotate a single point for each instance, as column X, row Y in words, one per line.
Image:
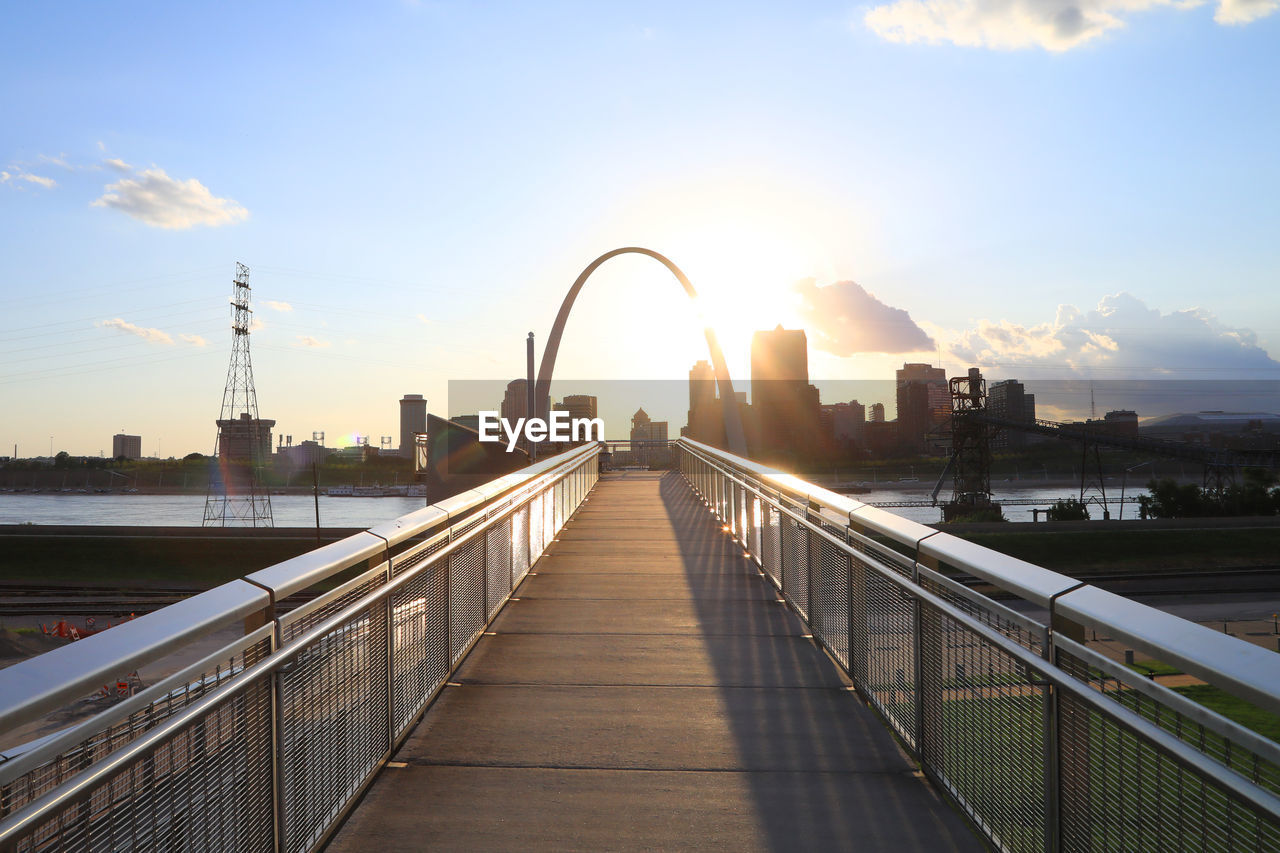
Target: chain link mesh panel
column 48, row 775
column 830, row 616
column 984, row 734
column 1029, row 636
column 771, row 544
column 537, row 526
column 1119, row 792
column 403, row 564
column 466, row 595
column 207, row 786
column 519, row 545
column 1179, row 716
column 497, row 565
column 420, row 647
column 888, row 615
column 294, row 625
column 333, row 699
column 795, row 555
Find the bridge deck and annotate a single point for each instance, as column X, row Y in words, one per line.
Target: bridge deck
column 645, row 689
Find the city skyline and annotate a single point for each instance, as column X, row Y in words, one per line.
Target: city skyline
column 1093, row 204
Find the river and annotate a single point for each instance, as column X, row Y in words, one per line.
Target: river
column 140, row 510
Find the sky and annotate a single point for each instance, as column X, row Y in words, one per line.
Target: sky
column 1053, row 189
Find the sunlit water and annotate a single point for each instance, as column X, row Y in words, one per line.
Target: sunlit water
column 299, row 510
column 188, row 510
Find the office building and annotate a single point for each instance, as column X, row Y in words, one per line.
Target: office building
column 1009, row 399
column 924, row 404
column 579, row 406
column 785, row 404
column 127, row 446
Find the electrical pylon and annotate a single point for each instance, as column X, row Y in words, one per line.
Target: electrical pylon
column 238, row 496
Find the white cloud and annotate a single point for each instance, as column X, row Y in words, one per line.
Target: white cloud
column 194, row 340
column 424, row 319
column 20, row 174
column 308, row 341
column 843, row 319
column 1121, row 336
column 1055, row 25
column 118, row 164
column 155, row 336
column 153, row 197
column 1236, row 12
column 283, row 307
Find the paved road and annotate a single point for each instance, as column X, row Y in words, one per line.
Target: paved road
column 646, row 690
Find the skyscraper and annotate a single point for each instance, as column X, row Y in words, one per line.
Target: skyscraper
column 413, row 419
column 706, row 415
column 1009, row 399
column 785, row 404
column 924, row 402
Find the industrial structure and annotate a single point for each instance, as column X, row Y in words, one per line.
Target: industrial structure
column 413, row 421
column 238, row 496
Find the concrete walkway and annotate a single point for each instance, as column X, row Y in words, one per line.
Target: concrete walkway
column 646, row 690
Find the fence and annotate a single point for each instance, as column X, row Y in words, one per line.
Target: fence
column 265, row 744
column 1044, row 743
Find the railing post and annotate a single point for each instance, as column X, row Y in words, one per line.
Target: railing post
column 917, row 629
column 278, row 781
column 1052, row 764
column 812, row 539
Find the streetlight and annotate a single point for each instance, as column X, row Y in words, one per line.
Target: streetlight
column 1125, row 479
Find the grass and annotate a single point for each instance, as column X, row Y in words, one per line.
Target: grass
column 1154, row 667
column 1101, row 550
column 1233, row 708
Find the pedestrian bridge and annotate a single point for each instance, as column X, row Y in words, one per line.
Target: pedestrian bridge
column 719, row 656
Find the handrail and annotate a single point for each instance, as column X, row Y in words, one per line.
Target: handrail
column 278, row 713
column 32, row 688
column 1237, row 666
column 1034, row 735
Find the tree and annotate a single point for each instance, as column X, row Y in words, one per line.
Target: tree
column 1068, row 509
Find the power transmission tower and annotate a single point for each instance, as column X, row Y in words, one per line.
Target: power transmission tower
column 238, row 496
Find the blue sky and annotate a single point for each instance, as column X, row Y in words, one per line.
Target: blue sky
column 1057, row 189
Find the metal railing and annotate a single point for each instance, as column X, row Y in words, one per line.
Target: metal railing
column 267, row 743
column 1045, row 744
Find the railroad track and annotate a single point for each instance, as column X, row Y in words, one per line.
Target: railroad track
column 108, row 601
column 1171, row 582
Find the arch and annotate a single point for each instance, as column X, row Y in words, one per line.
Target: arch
column 732, row 417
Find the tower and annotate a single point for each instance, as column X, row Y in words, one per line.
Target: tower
column 413, row 421
column 238, row 497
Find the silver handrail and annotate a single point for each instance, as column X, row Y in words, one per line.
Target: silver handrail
column 484, row 541
column 1042, row 745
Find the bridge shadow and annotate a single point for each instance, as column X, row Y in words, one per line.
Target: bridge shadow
column 822, row 770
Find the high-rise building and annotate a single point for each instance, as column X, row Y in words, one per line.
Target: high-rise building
column 706, row 413
column 924, row 403
column 785, row 404
column 579, row 406
column 128, row 446
column 848, row 421
column 413, row 420
column 515, row 402
column 648, row 439
column 1009, row 399
column 875, row 413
